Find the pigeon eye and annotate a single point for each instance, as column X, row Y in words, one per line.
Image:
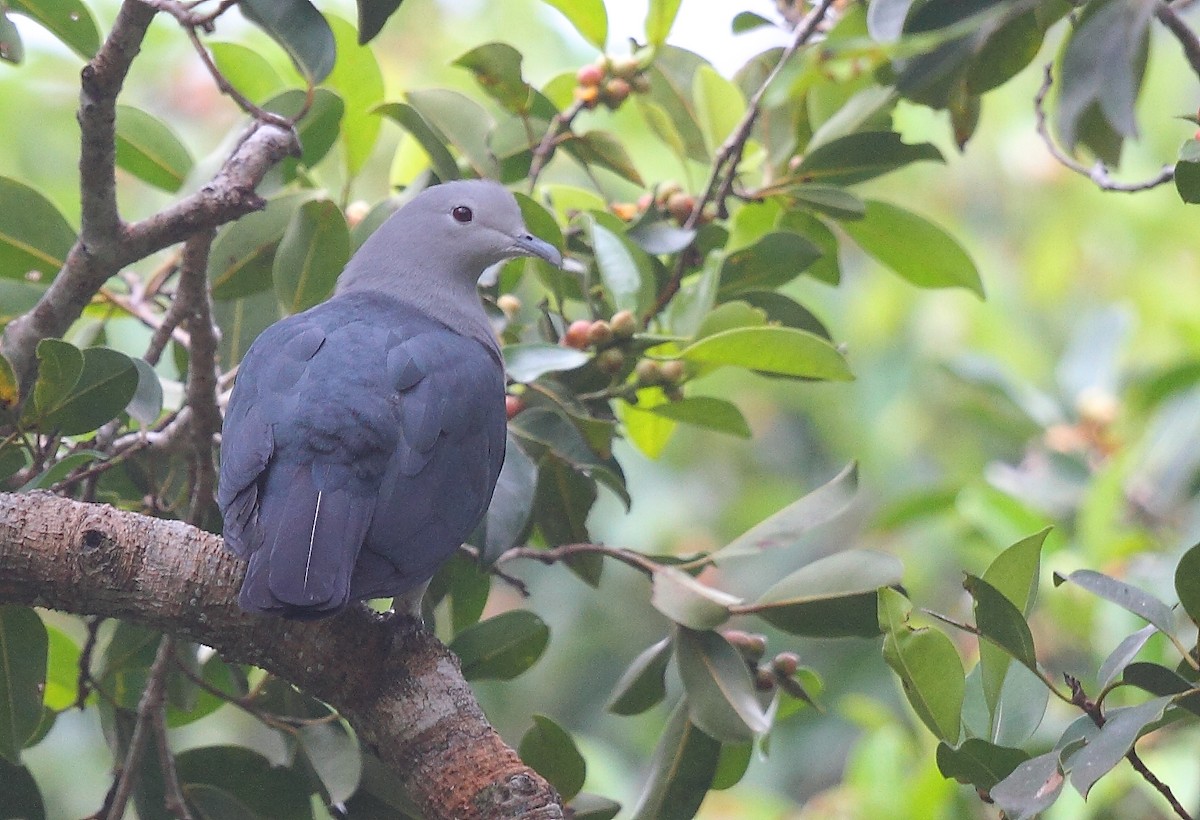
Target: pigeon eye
column 462, row 213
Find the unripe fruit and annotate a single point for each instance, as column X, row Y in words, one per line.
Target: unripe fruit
column 751, row 646
column 616, row 91
column 648, row 371
column 640, row 83
column 680, row 205
column 665, row 189
column 645, row 201
column 600, row 332
column 624, row 324
column 786, row 664
column 764, row 681
column 625, row 211
column 356, row 212
column 589, row 75
column 513, row 405
column 610, row 361
column 508, row 304
column 673, row 393
column 589, row 95
column 673, row 371
column 577, row 334
column 625, row 67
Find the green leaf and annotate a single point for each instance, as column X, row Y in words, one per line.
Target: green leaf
column 12, row 50
column 622, row 267
column 23, row 648
column 643, row 685
column 525, row 362
column 861, row 156
column 1125, row 652
column 1001, row 622
column 914, row 247
column 1032, row 787
column 1122, row 726
column 671, row 76
column 552, row 753
column 314, row 249
column 106, row 384
column 686, row 601
column 602, row 149
column 1159, row 680
column 319, row 129
column 219, row 675
column 459, row 121
column 834, row 202
column 211, row 803
column 978, row 763
column 239, row 263
column 71, row 21
column 774, row 260
column 300, row 29
column 1014, row 573
column 126, row 662
column 560, row 509
column 1187, row 582
column 358, row 80
column 34, row 236
column 270, row 792
column 1187, row 172
column 434, row 145
column 1102, row 66
column 497, row 69
column 786, row 527
column 372, row 14
column 930, row 670
column 507, row 518
column 659, row 236
column 720, row 692
column 732, row 765
column 334, row 755
column 681, row 771
column 147, row 401
column 502, row 647
column 593, row 807
column 719, row 106
column 589, row 18
column 150, row 150
column 660, row 16
column 241, row 320
column 1128, row 597
column 20, row 797
column 782, row 351
column 60, row 470
column 247, row 70
column 831, row 597
column 706, row 411
column 59, row 366
column 745, row 21
column 62, row 670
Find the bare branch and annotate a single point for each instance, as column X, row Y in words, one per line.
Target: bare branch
column 558, row 126
column 1098, row 172
column 201, row 389
column 561, row 553
column 1169, row 17
column 398, row 687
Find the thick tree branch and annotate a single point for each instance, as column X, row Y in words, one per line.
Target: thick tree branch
column 202, row 373
column 399, row 687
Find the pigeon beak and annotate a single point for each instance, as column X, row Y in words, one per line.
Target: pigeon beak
column 527, row 244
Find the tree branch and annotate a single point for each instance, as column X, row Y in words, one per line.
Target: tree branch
column 396, row 684
column 1169, row 17
column 201, row 388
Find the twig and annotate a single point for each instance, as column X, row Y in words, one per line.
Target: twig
column 165, row 326
column 516, row 583
column 201, row 388
column 153, row 700
column 1098, row 172
column 729, row 155
column 1169, row 17
column 83, row 683
column 560, row 124
column 173, row 800
column 561, row 553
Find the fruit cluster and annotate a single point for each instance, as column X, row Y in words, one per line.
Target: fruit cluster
column 668, row 197
column 780, row 671
column 609, row 81
column 612, row 356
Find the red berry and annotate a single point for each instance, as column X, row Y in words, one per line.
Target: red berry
column 589, row 75
column 577, row 334
column 513, row 405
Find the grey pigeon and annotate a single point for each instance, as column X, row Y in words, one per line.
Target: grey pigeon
column 364, row 436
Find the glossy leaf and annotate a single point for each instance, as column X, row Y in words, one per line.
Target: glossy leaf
column 358, row 80
column 334, row 755
column 915, row 248
column 593, row 807
column 497, row 69
column 1020, row 705
column 300, row 29
column 317, row 131
column 660, row 236
column 211, row 803
column 312, row 252
column 706, row 411
column 1121, row 657
column 603, row 150
column 670, row 78
column 10, row 389
column 622, row 269
column 219, row 675
column 147, row 401
column 502, row 647
column 1032, row 787
column 978, row 763
column 1159, row 680
column 71, row 21
column 789, row 525
column 23, row 648
column 552, row 753
column 1187, row 582
column 834, row 202
column 126, row 662
column 681, row 771
column 927, row 663
column 434, row 145
column 150, row 150
column 720, row 692
column 589, row 18
column 507, row 518
column 34, row 235
column 745, row 21
column 643, row 685
column 1107, row 748
column 372, row 14
column 239, row 263
column 1014, row 573
column 782, row 351
column 1128, row 597
column 686, row 601
column 660, row 16
column 861, row 156
column 831, row 597
column 774, row 260
column 270, row 792
column 59, row 366
column 719, row 106
column 247, row 70
column 525, row 362
column 106, row 384
column 561, row 505
column 461, row 122
column 1001, row 622
column 12, row 49
column 1187, row 172
column 62, row 670
column 60, row 470
column 732, row 765
column 20, row 797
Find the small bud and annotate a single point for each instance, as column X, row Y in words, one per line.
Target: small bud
column 751, row 646
column 589, row 76
column 625, row 211
column 764, row 681
column 664, row 191
column 600, row 332
column 513, row 405
column 648, row 372
column 508, row 304
column 640, row 83
column 616, row 91
column 610, row 361
column 589, row 95
column 577, row 334
column 680, row 205
column 625, row 67
column 673, row 371
column 624, row 324
column 786, row 664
